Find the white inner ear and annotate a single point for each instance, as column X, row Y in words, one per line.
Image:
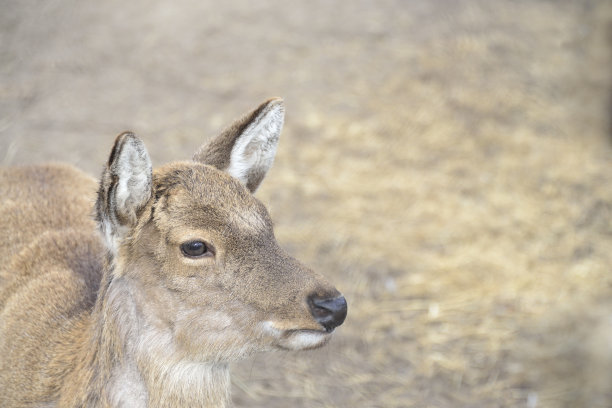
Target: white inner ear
column 134, row 170
column 254, row 150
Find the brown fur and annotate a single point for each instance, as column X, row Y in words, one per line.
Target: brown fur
column 84, row 324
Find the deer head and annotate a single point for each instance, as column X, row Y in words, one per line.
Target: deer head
column 193, row 256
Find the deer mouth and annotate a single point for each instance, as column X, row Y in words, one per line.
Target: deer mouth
column 304, row 339
column 297, row 339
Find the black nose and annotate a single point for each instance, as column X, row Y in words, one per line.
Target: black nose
column 329, row 312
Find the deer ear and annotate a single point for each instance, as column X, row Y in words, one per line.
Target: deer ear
column 247, row 148
column 125, row 187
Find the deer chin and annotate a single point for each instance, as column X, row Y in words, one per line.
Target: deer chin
column 296, row 339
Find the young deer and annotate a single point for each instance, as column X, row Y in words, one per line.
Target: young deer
column 185, row 276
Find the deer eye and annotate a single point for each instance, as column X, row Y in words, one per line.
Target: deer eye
column 194, row 249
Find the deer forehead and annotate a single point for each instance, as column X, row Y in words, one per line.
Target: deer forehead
column 198, row 196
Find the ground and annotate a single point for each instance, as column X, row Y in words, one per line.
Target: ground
column 446, row 164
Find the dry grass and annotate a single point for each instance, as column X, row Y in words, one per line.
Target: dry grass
column 446, row 164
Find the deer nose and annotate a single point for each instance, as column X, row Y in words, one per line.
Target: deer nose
column 329, row 312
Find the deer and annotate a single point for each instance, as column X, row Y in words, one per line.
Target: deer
column 140, row 289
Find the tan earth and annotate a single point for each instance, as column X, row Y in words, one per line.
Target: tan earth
column 447, row 164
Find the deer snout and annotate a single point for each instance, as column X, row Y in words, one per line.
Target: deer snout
column 330, row 312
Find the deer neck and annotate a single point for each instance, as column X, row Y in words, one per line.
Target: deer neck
column 140, row 357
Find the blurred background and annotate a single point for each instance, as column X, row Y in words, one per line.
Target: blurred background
column 447, row 164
